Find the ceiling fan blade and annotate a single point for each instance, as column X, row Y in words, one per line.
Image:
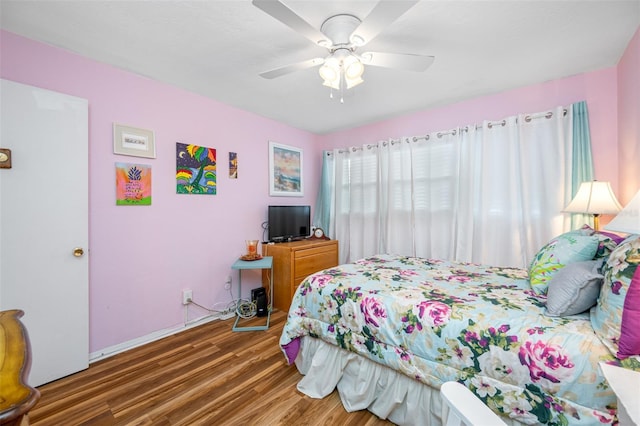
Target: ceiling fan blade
column 382, row 15
column 292, row 68
column 403, row 61
column 282, row 13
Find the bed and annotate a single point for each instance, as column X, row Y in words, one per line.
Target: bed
column 387, row 331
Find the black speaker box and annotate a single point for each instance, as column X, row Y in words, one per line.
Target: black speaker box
column 259, row 297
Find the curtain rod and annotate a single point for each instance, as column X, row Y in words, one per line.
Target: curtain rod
column 490, row 125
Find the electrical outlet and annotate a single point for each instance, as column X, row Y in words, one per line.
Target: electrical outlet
column 227, row 283
column 187, row 296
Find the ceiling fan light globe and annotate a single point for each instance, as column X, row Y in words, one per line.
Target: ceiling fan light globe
column 329, row 73
column 353, row 68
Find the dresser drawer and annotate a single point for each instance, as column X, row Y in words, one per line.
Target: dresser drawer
column 313, row 260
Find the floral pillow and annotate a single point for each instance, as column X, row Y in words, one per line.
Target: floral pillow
column 607, row 241
column 567, row 248
column 616, row 317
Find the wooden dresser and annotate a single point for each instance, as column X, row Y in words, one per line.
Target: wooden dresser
column 293, row 262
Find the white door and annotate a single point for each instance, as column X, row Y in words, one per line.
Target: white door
column 43, row 220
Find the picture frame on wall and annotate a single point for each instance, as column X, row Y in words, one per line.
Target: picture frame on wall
column 133, row 141
column 285, row 171
column 133, row 184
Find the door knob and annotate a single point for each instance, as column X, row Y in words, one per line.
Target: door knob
column 78, row 252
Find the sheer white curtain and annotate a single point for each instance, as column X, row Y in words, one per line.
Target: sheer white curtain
column 490, row 194
column 356, row 216
column 512, row 189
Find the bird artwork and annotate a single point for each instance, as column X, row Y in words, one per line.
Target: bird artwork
column 195, row 169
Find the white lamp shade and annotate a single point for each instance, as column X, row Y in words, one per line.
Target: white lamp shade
column 595, row 198
column 628, row 220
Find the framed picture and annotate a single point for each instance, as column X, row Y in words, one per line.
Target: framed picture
column 133, row 141
column 233, row 165
column 285, row 171
column 133, row 184
column 196, row 169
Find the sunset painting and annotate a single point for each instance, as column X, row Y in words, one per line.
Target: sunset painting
column 285, row 163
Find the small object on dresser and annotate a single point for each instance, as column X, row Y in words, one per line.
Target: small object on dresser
column 318, row 234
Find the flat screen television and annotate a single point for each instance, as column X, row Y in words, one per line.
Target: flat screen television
column 289, row 223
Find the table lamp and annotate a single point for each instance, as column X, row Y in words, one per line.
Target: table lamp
column 628, row 220
column 594, row 198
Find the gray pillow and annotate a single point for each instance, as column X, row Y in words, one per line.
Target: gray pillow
column 574, row 288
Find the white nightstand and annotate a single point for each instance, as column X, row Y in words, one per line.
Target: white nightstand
column 626, row 385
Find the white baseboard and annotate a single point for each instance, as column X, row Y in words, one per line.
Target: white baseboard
column 157, row 335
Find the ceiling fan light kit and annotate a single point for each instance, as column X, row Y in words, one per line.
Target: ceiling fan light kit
column 342, row 35
column 341, row 69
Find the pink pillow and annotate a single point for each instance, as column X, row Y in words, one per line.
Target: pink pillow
column 629, row 344
column 616, row 317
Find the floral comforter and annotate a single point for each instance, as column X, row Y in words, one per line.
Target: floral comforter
column 483, row 326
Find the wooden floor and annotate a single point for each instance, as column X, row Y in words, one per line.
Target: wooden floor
column 208, row 375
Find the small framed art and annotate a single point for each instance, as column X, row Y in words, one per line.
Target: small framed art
column 285, row 171
column 132, row 141
column 133, row 184
column 233, row 165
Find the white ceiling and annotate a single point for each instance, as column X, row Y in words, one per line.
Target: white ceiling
column 217, row 49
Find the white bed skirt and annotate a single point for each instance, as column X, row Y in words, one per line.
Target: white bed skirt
column 364, row 384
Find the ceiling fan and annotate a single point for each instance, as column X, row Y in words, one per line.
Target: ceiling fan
column 342, row 35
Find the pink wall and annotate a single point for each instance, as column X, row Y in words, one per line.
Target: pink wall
column 191, row 241
column 629, row 120
column 597, row 88
column 142, row 257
